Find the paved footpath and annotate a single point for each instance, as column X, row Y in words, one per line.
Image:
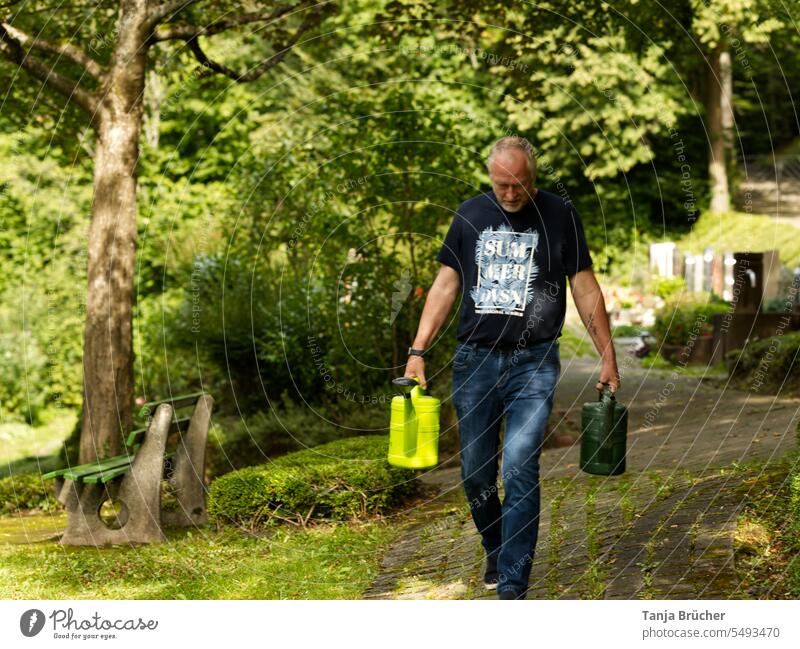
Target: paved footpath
column 662, row 530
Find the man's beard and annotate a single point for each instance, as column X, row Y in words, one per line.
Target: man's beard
column 517, row 207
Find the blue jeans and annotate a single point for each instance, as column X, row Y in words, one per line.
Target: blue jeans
column 518, row 385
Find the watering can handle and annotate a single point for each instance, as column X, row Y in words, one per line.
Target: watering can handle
column 416, row 388
column 606, row 393
column 405, row 382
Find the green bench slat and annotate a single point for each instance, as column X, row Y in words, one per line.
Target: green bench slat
column 54, row 474
column 112, row 467
column 77, row 472
column 108, row 475
column 175, row 402
column 137, row 436
column 72, row 469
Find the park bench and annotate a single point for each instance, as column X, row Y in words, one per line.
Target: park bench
column 130, row 483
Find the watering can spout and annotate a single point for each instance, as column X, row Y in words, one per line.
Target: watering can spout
column 414, row 427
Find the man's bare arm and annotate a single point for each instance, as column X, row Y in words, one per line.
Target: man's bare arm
column 592, row 308
column 443, row 294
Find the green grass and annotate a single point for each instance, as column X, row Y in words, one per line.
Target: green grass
column 326, row 562
column 766, row 543
column 655, row 361
column 575, row 343
column 737, row 231
column 19, row 440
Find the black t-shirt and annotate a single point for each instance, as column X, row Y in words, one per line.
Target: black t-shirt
column 513, row 267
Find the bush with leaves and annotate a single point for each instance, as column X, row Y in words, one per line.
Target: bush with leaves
column 685, row 315
column 344, row 480
column 772, row 362
column 28, row 491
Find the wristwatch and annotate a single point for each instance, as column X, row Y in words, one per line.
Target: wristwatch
column 416, row 352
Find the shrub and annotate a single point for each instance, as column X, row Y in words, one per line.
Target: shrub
column 666, row 287
column 684, row 315
column 773, row 361
column 626, row 331
column 343, row 480
column 27, row 491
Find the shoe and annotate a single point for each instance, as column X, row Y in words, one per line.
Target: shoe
column 511, row 594
column 490, row 577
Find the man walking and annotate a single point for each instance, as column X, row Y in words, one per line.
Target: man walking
column 509, row 252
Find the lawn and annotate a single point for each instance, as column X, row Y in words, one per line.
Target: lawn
column 325, row 562
column 767, row 545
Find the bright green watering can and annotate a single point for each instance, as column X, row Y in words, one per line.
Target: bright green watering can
column 414, row 427
column 604, row 429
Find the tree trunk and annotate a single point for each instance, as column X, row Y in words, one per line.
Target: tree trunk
column 108, row 338
column 717, row 172
column 728, row 119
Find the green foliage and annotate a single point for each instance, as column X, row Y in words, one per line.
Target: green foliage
column 685, row 315
column 736, row 231
column 43, row 207
column 575, row 343
column 772, row 363
column 625, row 331
column 608, row 98
column 794, row 491
column 287, row 228
column 667, row 287
column 766, row 541
column 238, row 442
column 346, row 479
column 29, row 491
column 721, row 21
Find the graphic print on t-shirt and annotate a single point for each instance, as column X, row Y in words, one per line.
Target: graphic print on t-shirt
column 506, row 270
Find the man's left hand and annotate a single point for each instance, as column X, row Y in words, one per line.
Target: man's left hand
column 609, row 374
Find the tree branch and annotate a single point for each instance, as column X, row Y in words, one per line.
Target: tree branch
column 259, row 70
column 166, row 9
column 73, row 53
column 11, row 48
column 186, row 32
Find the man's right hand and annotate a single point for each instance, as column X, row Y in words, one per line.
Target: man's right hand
column 415, row 369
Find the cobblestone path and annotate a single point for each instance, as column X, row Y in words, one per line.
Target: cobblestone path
column 662, row 530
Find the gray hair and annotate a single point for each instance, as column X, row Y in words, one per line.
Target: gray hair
column 514, row 142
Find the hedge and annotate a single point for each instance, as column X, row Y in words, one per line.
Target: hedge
column 768, row 364
column 343, row 480
column 28, row 491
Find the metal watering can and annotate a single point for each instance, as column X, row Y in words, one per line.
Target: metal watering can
column 604, row 429
column 414, row 427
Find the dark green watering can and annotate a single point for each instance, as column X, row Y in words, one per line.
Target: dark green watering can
column 604, row 429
